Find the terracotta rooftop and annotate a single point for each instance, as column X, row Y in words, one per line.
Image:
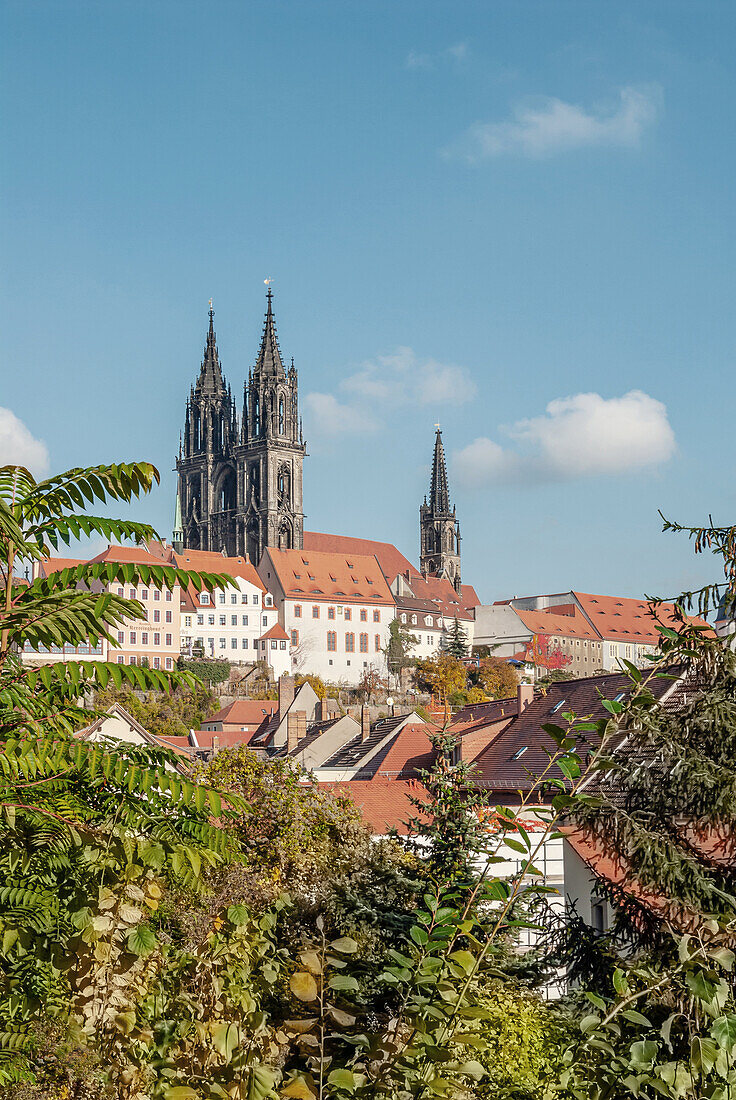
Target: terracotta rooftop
column 347, row 578
column 202, row 561
column 136, row 554
column 411, row 751
column 390, row 559
column 47, row 566
column 276, row 631
column 545, row 622
column 384, row 804
column 245, row 712
column 619, row 618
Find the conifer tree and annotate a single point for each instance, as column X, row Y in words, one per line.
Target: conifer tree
column 457, row 643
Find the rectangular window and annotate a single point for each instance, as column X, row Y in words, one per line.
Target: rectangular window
column 348, row 614
column 223, row 620
column 157, row 662
column 244, row 620
column 264, row 619
column 295, row 637
column 121, row 592
column 350, row 643
column 233, row 620
column 363, row 643
column 331, row 641
column 244, row 643
column 132, row 661
column 273, row 644
column 121, row 660
column 282, row 645
column 132, row 637
column 211, row 620
column 187, row 620
column 377, row 643
column 297, row 611
column 223, row 643
column 168, row 639
column 168, row 616
column 363, row 615
column 255, row 598
column 204, row 597
column 244, row 598
column 330, row 613
column 144, row 639
column 131, row 594
column 315, row 611
column 376, row 616
column 222, row 597
column 169, row 662
column 121, row 636
column 156, row 594
column 157, row 616
column 200, row 620
column 144, row 593
column 157, row 639
column 233, row 643
column 234, row 597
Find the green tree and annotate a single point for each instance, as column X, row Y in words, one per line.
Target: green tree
column 397, row 650
column 211, row 671
column 163, row 713
column 457, row 641
column 441, row 676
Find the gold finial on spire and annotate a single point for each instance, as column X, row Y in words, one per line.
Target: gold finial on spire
column 437, row 425
column 267, row 282
column 210, row 303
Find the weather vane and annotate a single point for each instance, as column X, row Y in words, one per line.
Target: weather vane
column 267, row 282
column 437, row 425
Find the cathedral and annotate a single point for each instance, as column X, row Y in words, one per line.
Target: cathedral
column 240, row 475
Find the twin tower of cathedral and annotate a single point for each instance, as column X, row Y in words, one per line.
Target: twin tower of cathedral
column 240, row 476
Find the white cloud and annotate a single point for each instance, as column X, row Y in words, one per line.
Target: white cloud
column 457, row 52
column 403, row 378
column 330, row 417
column 580, row 436
column 390, row 381
column 543, row 127
column 18, row 447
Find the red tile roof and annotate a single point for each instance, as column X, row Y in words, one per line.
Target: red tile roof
column 545, row 622
column 390, row 559
column 344, row 578
column 410, row 752
column 276, row 631
column 137, row 554
column 47, row 566
column 245, row 712
column 440, row 591
column 226, row 739
column 469, row 596
column 621, row 619
column 385, row 804
column 202, row 561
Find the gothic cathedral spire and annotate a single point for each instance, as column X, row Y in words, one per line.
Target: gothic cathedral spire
column 240, row 481
column 439, row 550
column 207, row 465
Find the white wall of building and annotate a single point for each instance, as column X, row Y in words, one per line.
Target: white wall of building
column 327, row 638
column 229, row 622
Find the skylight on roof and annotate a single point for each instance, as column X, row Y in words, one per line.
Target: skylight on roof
column 519, row 752
column 557, row 706
column 621, row 695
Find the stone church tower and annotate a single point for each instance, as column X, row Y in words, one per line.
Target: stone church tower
column 240, row 479
column 439, row 550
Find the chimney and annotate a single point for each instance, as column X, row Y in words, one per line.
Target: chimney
column 365, row 722
column 296, row 729
column 524, row 696
column 286, row 694
column 215, row 745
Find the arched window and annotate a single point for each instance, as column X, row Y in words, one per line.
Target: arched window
column 350, row 643
column 257, row 415
column 363, row 643
column 281, row 416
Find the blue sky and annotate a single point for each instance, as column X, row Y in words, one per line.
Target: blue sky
column 516, row 218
